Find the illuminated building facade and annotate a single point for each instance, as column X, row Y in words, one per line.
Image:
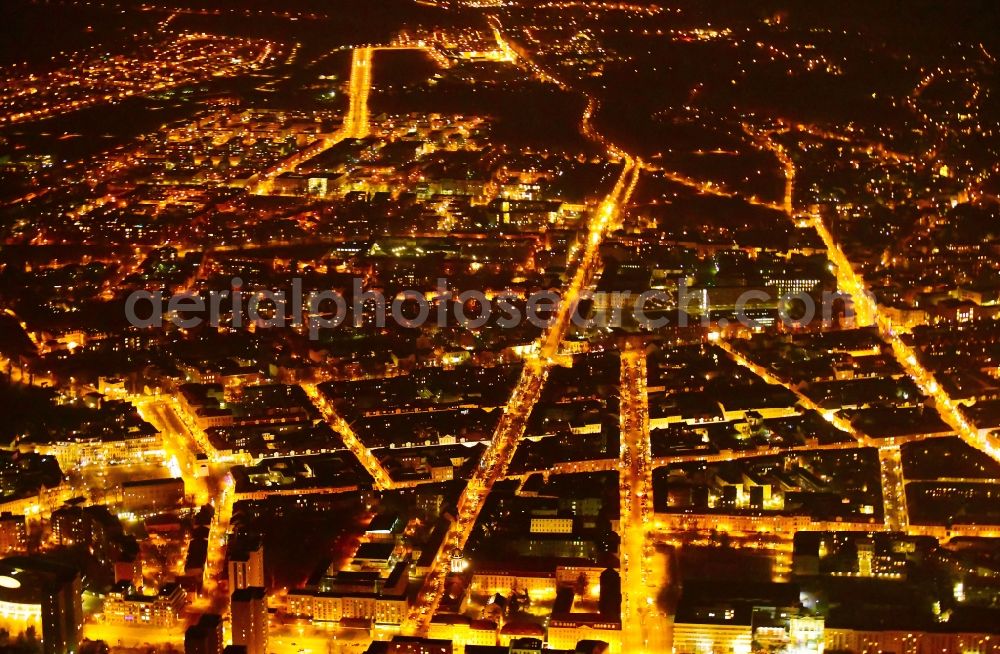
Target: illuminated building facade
column 152, row 494
column 35, row 592
column 125, row 606
column 745, row 618
column 249, row 616
column 537, row 576
column 565, row 631
column 245, row 563
column 375, row 595
column 13, row 534
column 910, row 642
column 140, row 446
column 462, row 630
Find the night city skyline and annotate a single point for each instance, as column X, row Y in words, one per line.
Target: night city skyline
column 500, row 327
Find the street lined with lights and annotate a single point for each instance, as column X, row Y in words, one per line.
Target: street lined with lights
column 526, row 394
column 867, row 313
column 644, row 626
column 382, row 479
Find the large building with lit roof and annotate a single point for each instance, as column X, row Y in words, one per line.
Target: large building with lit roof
column 39, row 593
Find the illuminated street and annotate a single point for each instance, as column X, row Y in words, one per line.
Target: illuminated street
column 893, row 489
column 355, row 124
column 866, row 311
column 642, row 617
column 526, row 394
column 365, row 456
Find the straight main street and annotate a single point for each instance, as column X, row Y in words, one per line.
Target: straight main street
column 382, row 479
column 356, row 124
column 527, row 392
column 644, row 624
column 510, row 430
